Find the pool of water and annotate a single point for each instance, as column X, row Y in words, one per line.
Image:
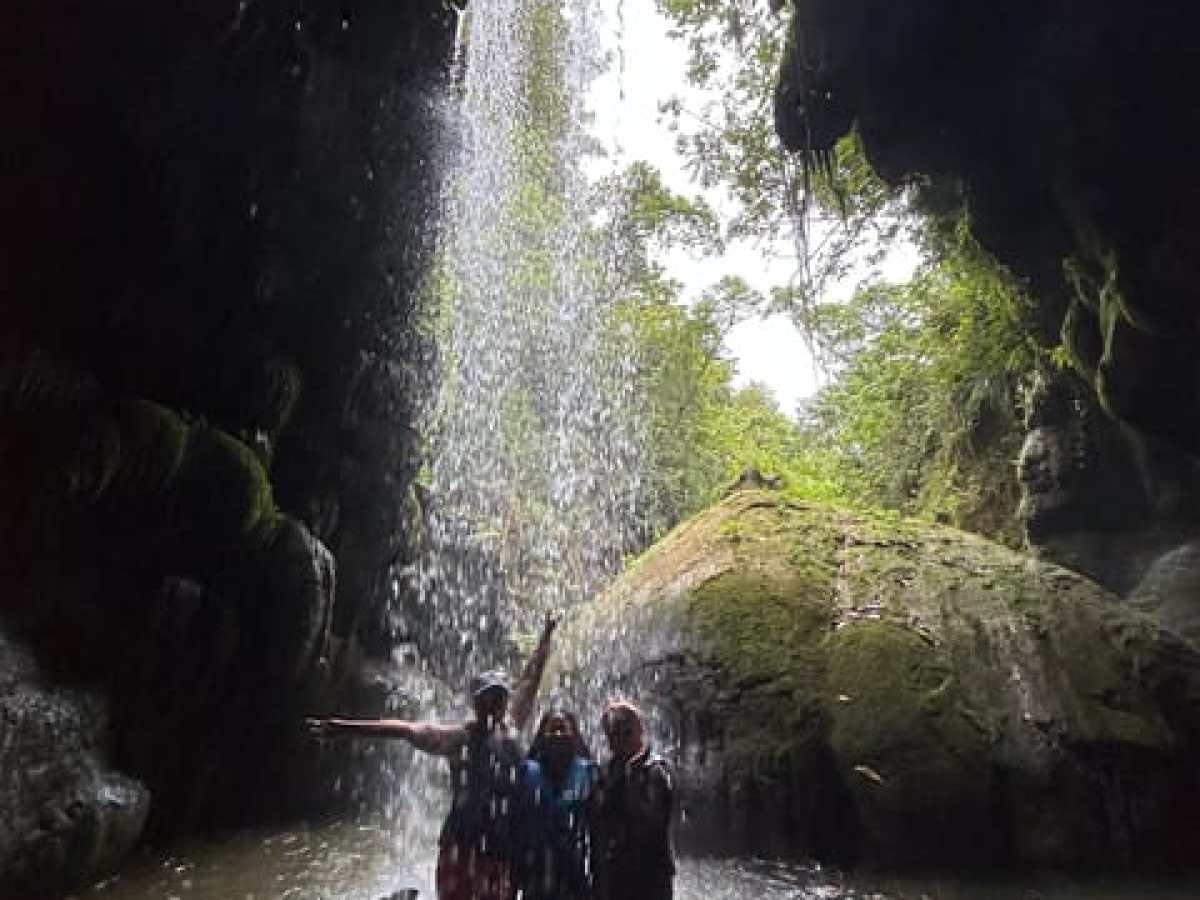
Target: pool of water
column 368, row 861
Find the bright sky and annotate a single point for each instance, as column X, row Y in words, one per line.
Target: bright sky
column 625, row 103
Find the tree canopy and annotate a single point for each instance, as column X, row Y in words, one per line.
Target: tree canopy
column 921, row 412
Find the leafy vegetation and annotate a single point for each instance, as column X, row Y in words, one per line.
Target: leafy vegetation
column 921, row 413
column 841, row 219
column 701, row 430
column 924, row 412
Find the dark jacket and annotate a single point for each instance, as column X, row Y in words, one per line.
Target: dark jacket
column 631, row 830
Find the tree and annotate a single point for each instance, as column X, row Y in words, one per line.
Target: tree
column 840, row 216
column 924, row 411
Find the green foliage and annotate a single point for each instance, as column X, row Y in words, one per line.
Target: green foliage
column 923, row 413
column 683, row 382
column 641, row 219
column 921, row 416
column 703, row 431
column 840, row 219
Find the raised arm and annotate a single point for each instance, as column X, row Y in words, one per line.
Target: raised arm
column 439, row 740
column 527, row 686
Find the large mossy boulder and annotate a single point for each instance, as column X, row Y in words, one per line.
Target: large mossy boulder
column 888, row 692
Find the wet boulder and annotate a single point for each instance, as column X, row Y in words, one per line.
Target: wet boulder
column 880, row 691
column 68, row 814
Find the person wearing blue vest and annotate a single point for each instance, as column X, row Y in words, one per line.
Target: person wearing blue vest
column 556, row 784
column 477, row 848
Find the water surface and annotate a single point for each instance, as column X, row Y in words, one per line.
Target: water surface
column 367, row 861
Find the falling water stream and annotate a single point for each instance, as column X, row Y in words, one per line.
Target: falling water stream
column 532, row 478
column 534, row 463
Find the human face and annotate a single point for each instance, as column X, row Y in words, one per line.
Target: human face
column 625, row 733
column 491, row 705
column 559, row 727
column 558, row 737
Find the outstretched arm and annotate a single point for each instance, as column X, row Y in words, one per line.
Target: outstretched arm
column 439, row 740
column 531, row 678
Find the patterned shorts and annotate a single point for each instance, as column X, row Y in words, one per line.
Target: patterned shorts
column 464, row 874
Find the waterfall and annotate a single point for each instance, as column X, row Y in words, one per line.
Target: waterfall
column 531, row 479
column 533, row 468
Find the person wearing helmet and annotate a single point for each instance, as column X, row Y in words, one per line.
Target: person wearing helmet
column 475, row 848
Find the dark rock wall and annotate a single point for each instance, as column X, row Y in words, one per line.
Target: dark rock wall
column 1095, row 496
column 1064, row 129
column 217, row 219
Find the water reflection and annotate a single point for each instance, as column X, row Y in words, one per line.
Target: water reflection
column 345, row 860
column 364, row 861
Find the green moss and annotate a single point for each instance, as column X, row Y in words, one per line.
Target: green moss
column 223, row 488
column 153, row 442
column 732, row 530
column 897, row 712
column 918, row 660
column 764, row 625
column 759, row 628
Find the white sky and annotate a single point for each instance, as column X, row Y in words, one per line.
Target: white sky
column 625, row 103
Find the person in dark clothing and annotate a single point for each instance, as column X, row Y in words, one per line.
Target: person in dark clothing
column 631, row 811
column 475, row 850
column 556, row 783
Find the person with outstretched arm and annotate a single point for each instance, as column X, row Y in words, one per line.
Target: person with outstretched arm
column 475, row 848
column 631, row 812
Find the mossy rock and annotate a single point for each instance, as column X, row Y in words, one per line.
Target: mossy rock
column 911, row 687
column 223, row 489
column 153, row 440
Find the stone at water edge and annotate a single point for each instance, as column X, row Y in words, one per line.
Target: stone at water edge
column 884, row 691
column 68, row 816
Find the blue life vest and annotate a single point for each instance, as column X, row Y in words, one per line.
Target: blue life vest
column 554, row 830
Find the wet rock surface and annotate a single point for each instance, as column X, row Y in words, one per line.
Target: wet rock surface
column 1059, row 126
column 1097, row 497
column 68, row 815
column 209, row 370
column 882, row 692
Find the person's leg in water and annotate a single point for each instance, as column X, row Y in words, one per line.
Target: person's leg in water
column 468, row 875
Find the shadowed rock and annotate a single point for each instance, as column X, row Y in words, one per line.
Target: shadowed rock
column 67, row 813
